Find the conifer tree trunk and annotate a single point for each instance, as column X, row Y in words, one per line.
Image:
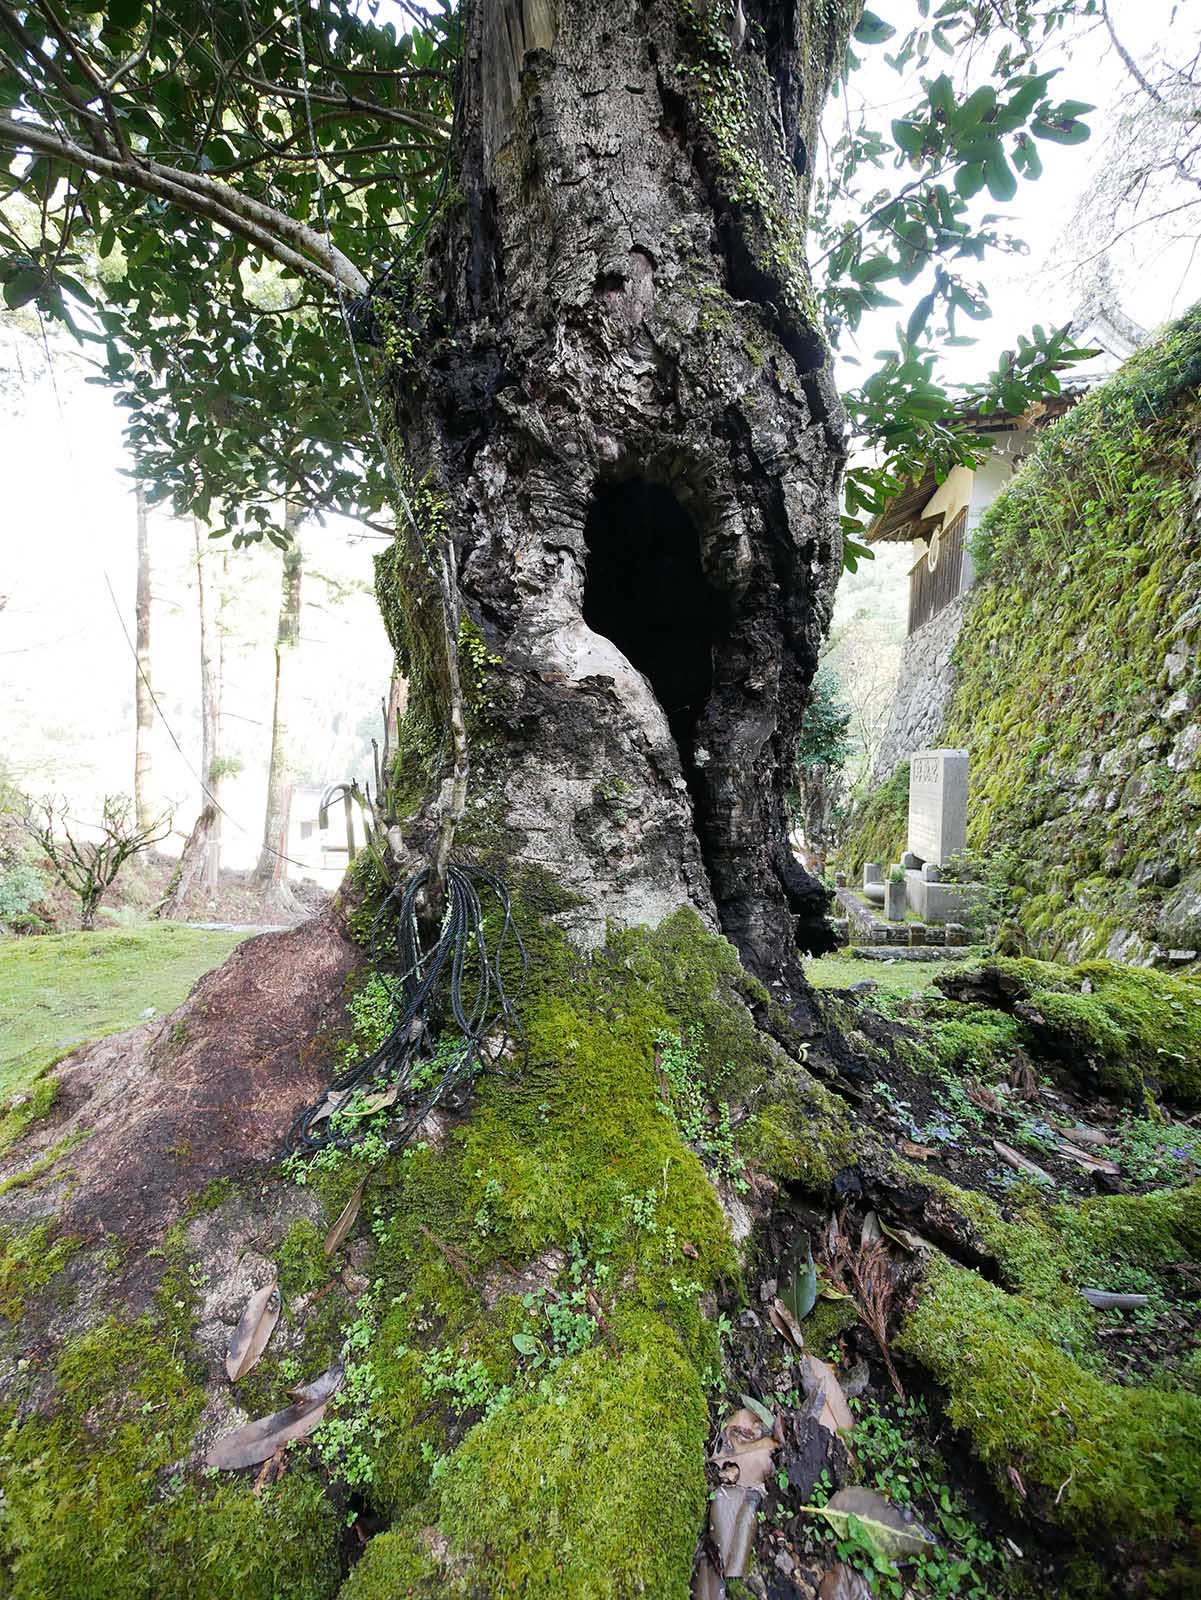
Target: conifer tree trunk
column 271, row 870
column 615, row 401
column 143, row 703
column 212, row 653
column 200, row 860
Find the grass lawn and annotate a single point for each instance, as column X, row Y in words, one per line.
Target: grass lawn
column 67, row 988
column 899, row 977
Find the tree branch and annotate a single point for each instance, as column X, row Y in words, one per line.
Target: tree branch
column 305, row 251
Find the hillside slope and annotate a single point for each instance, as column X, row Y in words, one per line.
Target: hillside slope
column 1077, row 684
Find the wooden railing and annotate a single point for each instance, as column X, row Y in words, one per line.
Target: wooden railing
column 930, row 591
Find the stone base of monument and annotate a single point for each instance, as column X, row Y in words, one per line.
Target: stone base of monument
column 866, row 926
column 914, row 952
column 943, row 902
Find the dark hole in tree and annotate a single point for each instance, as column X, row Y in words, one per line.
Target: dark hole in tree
column 646, row 590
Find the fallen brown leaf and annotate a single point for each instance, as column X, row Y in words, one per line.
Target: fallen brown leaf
column 917, row 1152
column 744, row 1460
column 254, row 1329
column 346, row 1219
column 321, row 1387
column 785, row 1324
column 1021, row 1163
column 706, row 1582
column 817, row 1378
column 844, row 1583
column 887, row 1529
column 1089, row 1162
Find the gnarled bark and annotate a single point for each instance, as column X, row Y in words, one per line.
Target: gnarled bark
column 620, row 408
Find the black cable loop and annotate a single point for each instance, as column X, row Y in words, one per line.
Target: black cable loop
column 410, row 1043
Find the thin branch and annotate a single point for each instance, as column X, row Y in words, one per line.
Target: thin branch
column 350, row 104
column 69, row 43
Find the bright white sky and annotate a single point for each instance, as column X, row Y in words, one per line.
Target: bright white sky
column 66, row 718
column 1156, row 278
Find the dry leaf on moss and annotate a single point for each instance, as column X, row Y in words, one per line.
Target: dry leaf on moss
column 255, row 1327
column 247, row 1446
column 346, row 1219
column 321, row 1388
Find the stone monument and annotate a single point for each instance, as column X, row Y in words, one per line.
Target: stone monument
column 938, row 781
column 937, row 806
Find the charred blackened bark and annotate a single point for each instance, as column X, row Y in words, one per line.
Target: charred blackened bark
column 614, row 398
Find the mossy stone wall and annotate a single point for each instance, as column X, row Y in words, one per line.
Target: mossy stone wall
column 1077, row 686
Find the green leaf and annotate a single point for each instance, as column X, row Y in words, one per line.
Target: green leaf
column 999, row 175
column 801, row 1294
column 525, row 1344
column 877, row 1522
column 969, row 180
column 21, row 287
column 873, row 29
column 941, row 94
column 853, row 553
column 920, row 317
column 909, row 136
column 975, row 110
column 1060, row 132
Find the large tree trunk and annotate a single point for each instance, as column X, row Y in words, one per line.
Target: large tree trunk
column 143, row 702
column 270, row 872
column 622, row 411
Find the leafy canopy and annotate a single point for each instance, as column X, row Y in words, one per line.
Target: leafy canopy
column 163, row 202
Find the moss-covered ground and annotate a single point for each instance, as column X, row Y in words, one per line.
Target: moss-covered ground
column 542, row 1308
column 841, row 970
column 62, row 990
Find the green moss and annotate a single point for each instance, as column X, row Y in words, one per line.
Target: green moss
column 825, row 1324
column 523, row 1469
column 1133, row 1023
column 398, row 1563
column 594, row 1490
column 877, row 830
column 303, row 1263
column 1098, row 1455
column 28, row 1262
column 26, row 1108
column 98, row 1505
